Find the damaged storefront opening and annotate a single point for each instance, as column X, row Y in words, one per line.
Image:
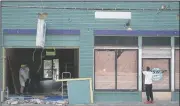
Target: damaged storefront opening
column 32, row 73
column 44, row 70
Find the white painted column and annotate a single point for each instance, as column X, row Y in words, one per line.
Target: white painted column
column 172, row 63
column 140, row 63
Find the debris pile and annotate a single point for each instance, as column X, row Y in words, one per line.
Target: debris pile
column 36, row 101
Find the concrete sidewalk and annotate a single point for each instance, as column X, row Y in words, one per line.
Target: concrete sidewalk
column 158, row 103
column 135, row 104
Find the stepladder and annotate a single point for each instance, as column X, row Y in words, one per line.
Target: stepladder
column 64, row 89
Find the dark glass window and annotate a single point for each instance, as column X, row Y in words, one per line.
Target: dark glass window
column 156, row 41
column 115, row 41
column 177, row 41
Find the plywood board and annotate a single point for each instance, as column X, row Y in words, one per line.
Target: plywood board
column 79, row 92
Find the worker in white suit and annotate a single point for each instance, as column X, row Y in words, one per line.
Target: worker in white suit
column 23, row 77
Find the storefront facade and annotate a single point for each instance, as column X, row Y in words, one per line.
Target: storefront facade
column 109, row 53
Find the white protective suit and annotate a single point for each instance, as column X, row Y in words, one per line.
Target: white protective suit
column 23, row 72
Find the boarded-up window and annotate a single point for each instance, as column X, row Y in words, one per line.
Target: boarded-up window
column 116, row 69
column 177, row 51
column 127, row 69
column 163, row 64
column 104, row 69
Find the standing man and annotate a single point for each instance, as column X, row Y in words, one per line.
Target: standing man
column 148, row 84
column 23, row 77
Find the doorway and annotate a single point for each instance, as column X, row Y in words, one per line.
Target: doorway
column 161, row 87
column 46, row 66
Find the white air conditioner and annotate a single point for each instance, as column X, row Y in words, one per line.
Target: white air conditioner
column 41, row 33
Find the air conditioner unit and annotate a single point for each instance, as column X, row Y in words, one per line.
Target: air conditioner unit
column 41, row 33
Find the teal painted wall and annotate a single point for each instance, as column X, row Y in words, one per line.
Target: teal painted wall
column 116, row 97
column 84, row 96
column 175, row 96
column 84, row 20
column 73, row 19
column 30, row 41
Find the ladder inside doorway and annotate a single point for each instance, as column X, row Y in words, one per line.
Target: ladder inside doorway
column 64, row 91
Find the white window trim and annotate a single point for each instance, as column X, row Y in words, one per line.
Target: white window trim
column 113, row 47
column 172, row 63
column 140, row 63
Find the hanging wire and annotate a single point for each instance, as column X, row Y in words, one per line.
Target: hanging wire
column 34, row 54
column 41, row 60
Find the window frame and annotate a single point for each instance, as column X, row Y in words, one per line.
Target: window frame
column 135, row 40
column 178, row 90
column 116, row 89
column 176, row 42
column 158, row 90
column 145, row 45
column 47, row 58
column 177, row 47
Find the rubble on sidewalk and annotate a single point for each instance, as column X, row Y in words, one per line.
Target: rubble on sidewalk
column 35, row 101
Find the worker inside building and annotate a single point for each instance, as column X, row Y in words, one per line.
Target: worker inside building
column 24, row 78
column 38, row 70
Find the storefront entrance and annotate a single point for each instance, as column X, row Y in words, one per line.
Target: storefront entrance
column 46, row 66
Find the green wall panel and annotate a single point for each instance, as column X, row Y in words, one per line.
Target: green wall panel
column 77, row 19
column 78, row 94
column 86, row 53
column 117, row 97
column 30, row 41
column 48, row 37
column 175, row 96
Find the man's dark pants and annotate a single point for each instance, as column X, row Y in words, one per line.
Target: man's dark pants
column 149, row 92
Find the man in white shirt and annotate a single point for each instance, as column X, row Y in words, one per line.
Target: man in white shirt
column 23, row 77
column 148, row 84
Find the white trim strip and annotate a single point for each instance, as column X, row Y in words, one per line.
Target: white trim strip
column 176, row 47
column 172, row 64
column 140, row 63
column 110, row 47
column 168, row 57
column 161, row 48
